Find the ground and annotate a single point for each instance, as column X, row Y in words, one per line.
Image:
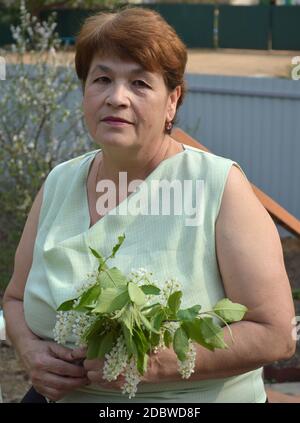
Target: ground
column 14, row 381
column 231, row 62
column 257, row 63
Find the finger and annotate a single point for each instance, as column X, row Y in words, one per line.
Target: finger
column 79, row 353
column 64, row 384
column 95, row 364
column 63, row 368
column 95, row 376
column 61, row 352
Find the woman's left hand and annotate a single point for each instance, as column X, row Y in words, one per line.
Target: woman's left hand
column 94, row 369
column 162, row 367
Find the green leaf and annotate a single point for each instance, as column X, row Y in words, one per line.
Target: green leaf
column 111, row 300
column 112, row 278
column 142, row 361
column 127, row 317
column 93, row 347
column 95, row 253
column 89, row 298
column 151, row 310
column 174, row 301
column 181, row 343
column 147, row 324
column 142, row 348
column 96, row 328
column 100, row 258
column 157, row 319
column 212, row 334
column 154, row 339
column 136, row 316
column 136, row 294
column 106, row 343
column 118, row 245
column 129, row 341
column 141, row 341
column 193, row 330
column 67, row 305
column 150, row 289
column 167, row 338
column 188, row 313
column 229, row 311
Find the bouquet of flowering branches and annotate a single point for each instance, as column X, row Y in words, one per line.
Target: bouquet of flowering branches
column 124, row 319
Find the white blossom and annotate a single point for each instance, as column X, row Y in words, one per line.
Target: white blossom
column 63, row 326
column 171, row 285
column 81, row 323
column 116, row 360
column 187, row 367
column 86, row 284
column 132, row 378
column 140, row 276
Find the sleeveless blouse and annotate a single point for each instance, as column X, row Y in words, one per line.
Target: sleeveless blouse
column 169, row 245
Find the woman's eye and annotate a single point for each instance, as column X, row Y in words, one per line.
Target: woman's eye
column 142, row 83
column 105, row 79
column 101, row 79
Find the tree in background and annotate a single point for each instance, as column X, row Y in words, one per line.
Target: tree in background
column 41, row 124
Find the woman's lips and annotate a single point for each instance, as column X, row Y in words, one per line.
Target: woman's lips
column 116, row 123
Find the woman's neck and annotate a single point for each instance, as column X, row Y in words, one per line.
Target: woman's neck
column 109, row 167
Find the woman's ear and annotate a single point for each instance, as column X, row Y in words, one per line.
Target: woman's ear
column 173, row 99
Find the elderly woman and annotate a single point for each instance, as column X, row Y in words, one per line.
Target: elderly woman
column 133, row 84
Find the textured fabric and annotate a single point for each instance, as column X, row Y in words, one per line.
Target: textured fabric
column 165, row 245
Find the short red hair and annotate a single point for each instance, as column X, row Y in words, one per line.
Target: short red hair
column 134, row 33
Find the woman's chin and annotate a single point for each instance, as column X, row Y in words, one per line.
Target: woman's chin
column 114, row 141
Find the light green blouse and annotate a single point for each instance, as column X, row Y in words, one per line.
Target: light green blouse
column 167, row 245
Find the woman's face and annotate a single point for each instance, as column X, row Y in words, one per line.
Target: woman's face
column 125, row 90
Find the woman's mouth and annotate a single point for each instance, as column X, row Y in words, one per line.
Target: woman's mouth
column 116, row 123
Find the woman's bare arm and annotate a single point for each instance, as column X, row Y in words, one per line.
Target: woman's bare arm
column 51, row 367
column 251, row 264
column 16, row 327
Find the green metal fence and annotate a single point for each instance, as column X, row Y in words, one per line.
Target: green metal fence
column 8, row 17
column 194, row 23
column 69, row 22
column 286, row 28
column 244, row 27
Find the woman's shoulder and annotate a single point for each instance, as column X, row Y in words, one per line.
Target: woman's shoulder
column 207, row 164
column 69, row 168
column 213, row 168
column 65, row 174
column 206, row 156
column 74, row 162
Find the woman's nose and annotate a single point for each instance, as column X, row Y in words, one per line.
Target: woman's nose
column 118, row 95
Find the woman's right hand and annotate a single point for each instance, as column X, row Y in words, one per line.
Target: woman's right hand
column 52, row 368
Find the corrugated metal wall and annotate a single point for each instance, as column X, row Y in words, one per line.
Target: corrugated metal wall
column 255, row 121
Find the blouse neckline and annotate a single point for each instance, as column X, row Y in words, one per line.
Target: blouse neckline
column 114, row 211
